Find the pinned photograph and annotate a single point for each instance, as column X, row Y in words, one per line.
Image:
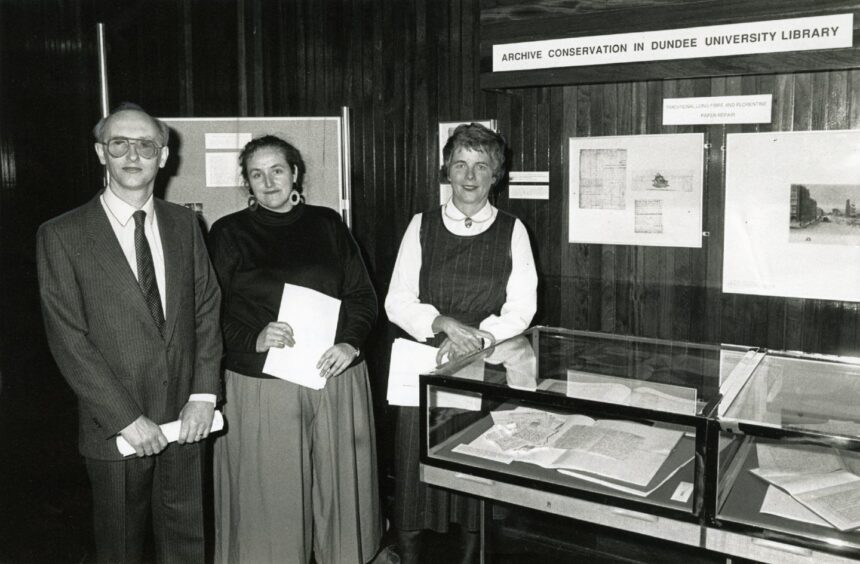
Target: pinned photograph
column 824, row 214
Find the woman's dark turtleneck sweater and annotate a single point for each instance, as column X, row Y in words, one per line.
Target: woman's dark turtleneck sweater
column 256, row 252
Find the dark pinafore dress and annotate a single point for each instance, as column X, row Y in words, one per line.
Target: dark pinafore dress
column 465, row 278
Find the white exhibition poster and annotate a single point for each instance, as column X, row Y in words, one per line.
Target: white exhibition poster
column 408, row 360
column 313, row 317
column 637, row 190
column 791, row 224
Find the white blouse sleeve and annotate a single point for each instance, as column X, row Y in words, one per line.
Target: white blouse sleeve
column 521, row 292
column 402, row 304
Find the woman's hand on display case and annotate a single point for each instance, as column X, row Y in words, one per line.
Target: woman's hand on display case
column 463, row 337
column 449, row 350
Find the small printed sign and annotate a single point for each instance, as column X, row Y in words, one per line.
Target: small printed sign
column 718, row 109
column 528, row 191
column 528, row 184
column 683, row 492
column 528, row 176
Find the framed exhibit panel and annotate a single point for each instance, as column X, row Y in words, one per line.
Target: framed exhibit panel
column 203, row 171
column 791, row 225
column 636, row 190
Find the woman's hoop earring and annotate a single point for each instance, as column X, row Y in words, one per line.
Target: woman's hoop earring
column 295, row 198
column 252, row 203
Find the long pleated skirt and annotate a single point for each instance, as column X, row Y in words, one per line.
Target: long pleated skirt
column 296, row 472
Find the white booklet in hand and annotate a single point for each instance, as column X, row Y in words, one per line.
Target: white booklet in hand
column 313, row 317
column 171, row 433
column 408, row 360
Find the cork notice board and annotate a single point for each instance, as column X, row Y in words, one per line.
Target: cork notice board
column 203, row 172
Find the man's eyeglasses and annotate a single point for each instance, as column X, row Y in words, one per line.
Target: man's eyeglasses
column 119, row 147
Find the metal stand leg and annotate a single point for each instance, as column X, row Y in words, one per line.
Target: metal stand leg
column 482, row 531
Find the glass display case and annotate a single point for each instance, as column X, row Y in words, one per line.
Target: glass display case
column 788, row 485
column 603, row 428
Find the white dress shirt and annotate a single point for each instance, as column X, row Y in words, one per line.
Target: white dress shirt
column 120, row 214
column 404, row 308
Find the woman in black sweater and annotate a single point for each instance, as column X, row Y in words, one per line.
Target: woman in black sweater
column 296, row 471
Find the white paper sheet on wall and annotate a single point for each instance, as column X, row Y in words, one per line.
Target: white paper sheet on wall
column 791, row 224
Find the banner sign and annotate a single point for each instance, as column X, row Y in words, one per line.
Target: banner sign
column 770, row 36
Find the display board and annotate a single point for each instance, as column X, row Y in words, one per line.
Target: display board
column 203, row 169
column 637, row 190
column 792, row 225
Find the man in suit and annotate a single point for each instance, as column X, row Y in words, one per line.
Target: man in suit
column 131, row 308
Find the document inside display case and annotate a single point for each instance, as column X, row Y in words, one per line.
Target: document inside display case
column 798, row 488
column 626, row 391
column 614, row 456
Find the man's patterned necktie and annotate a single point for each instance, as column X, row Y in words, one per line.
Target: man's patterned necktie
column 146, row 271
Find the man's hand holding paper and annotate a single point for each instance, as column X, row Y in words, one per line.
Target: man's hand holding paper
column 195, row 421
column 144, row 437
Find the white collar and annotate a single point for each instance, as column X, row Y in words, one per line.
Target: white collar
column 122, row 211
column 454, row 213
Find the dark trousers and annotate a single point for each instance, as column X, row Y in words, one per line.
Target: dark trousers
column 166, row 487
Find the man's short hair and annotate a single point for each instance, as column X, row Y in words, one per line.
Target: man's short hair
column 99, row 128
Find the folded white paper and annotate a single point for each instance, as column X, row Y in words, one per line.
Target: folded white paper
column 171, row 432
column 313, row 317
column 408, row 360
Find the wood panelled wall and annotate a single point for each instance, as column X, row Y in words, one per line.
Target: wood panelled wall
column 401, row 66
column 652, row 291
column 669, row 292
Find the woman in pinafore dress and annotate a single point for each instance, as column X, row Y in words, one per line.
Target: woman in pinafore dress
column 464, row 277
